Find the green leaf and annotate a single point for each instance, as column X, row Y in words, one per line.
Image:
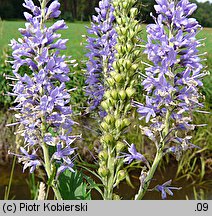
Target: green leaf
column 128, row 180
column 72, row 186
column 93, row 185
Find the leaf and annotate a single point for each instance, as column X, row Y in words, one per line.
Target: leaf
column 93, row 185
column 72, row 187
column 128, row 180
column 92, row 172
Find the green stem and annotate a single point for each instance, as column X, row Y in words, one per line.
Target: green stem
column 49, row 171
column 167, row 120
column 43, row 6
column 108, row 192
column 143, row 187
column 7, row 193
column 47, row 163
column 47, row 192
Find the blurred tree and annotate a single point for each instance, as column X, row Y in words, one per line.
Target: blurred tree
column 204, row 13
column 146, row 7
column 83, row 10
column 78, row 9
column 11, row 9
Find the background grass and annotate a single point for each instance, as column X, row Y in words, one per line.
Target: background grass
column 9, row 30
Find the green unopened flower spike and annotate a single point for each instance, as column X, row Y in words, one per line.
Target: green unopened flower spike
column 119, row 89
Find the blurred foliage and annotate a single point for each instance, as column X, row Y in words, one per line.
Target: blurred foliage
column 77, row 82
column 5, row 69
column 11, row 9
column 71, row 9
column 203, row 13
column 83, row 10
column 33, row 186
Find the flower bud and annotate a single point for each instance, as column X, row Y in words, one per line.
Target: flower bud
column 107, row 94
column 115, row 3
column 136, row 53
column 105, row 105
column 113, row 73
column 120, row 146
column 129, row 47
column 118, row 78
column 125, row 4
column 121, row 39
column 126, row 122
column 103, row 155
column 117, row 55
column 118, row 31
column 103, row 171
column 112, row 102
column 122, row 94
column 127, row 108
column 114, row 65
column 130, row 92
column 135, row 66
column 104, row 126
column 128, row 64
column 138, row 28
column 119, row 50
column 123, row 31
column 119, row 20
column 102, row 163
column 121, row 175
column 114, row 94
column 109, row 119
column 133, row 12
column 118, row 123
column 131, row 33
column 111, row 81
column 107, row 138
column 116, row 197
column 121, row 61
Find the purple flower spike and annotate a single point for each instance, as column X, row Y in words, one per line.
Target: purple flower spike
column 173, row 78
column 166, row 189
column 42, row 99
column 102, row 50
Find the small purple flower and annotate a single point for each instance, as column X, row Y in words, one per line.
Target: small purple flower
column 183, row 144
column 63, row 153
column 29, row 160
column 134, row 155
column 67, row 164
column 147, row 111
column 53, row 10
column 165, row 188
